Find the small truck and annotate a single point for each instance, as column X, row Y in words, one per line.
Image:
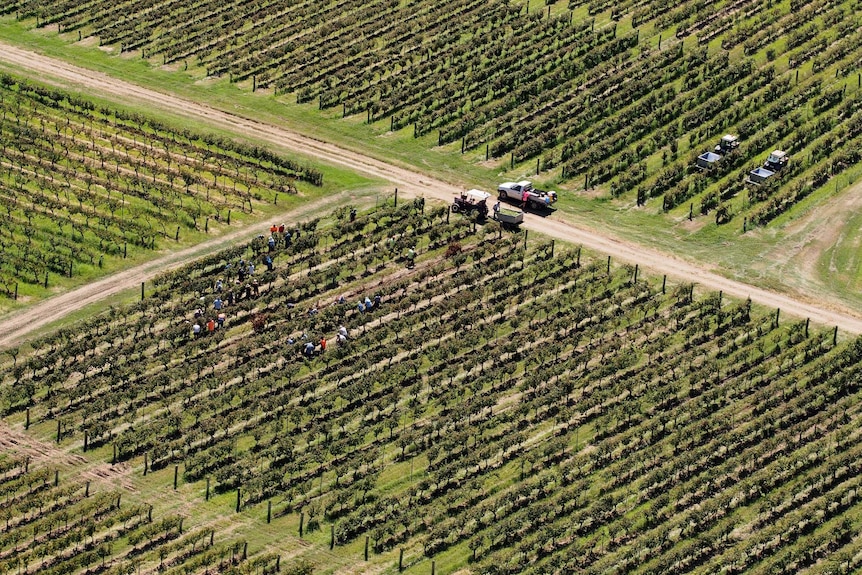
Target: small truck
column 727, row 144
column 524, row 190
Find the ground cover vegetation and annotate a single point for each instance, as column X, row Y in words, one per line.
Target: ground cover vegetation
column 83, row 187
column 460, row 397
column 54, row 526
column 621, row 96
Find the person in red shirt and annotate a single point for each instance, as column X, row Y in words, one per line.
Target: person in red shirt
column 211, row 325
column 322, row 344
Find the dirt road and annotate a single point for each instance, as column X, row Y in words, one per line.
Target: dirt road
column 16, row 327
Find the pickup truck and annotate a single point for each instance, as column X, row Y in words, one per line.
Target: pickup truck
column 535, row 198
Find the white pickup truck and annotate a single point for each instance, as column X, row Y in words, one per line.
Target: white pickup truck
column 524, row 190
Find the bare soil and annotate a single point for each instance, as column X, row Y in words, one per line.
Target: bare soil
column 410, row 183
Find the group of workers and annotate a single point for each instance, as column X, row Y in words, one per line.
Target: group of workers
column 310, row 349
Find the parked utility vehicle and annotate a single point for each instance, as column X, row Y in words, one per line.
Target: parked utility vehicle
column 525, row 193
column 727, row 144
column 472, row 201
column 776, row 160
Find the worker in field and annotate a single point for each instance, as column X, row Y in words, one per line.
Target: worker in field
column 271, row 243
column 268, row 262
column 273, row 228
column 322, row 344
column 308, row 350
column 524, row 197
column 220, row 320
column 411, row 257
column 217, row 303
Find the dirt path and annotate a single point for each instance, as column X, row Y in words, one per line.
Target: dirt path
column 408, row 182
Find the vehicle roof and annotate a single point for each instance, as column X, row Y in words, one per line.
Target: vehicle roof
column 778, row 153
column 728, row 137
column 478, row 194
column 525, row 183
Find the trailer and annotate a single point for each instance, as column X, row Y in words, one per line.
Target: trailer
column 509, row 217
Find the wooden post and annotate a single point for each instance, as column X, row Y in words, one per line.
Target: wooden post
column 807, row 321
column 56, row 477
column 512, row 160
column 177, row 236
column 537, row 159
column 16, row 291
column 835, row 337
column 207, row 496
column 176, row 475
column 238, row 498
column 777, row 314
column 448, row 211
column 525, row 239
column 578, row 260
column 85, row 440
column 87, row 489
column 552, row 249
column 396, row 197
column 487, row 148
column 27, row 419
column 401, row 560
column 146, row 462
column 301, row 522
column 609, row 265
column 142, row 291
column 228, row 217
column 366, row 547
column 114, row 459
column 663, row 284
column 691, row 211
column 332, row 537
column 269, row 511
column 635, row 280
column 433, row 567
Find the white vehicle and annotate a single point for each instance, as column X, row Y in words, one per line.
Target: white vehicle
column 525, row 193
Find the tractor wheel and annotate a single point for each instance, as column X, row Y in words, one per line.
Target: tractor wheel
column 456, row 208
